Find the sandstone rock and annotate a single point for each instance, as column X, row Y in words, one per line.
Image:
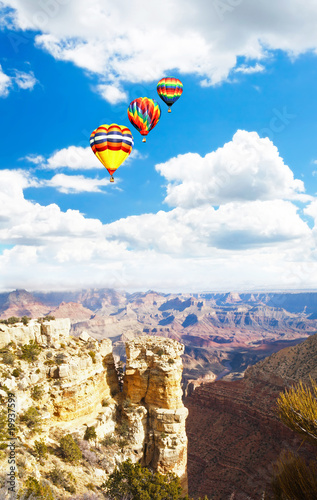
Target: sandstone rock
column 153, row 380
column 84, row 336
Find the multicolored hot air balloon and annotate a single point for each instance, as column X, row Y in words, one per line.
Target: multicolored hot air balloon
column 112, row 144
column 169, row 89
column 144, row 114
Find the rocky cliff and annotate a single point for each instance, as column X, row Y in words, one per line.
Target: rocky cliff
column 72, row 384
column 152, row 383
column 234, row 434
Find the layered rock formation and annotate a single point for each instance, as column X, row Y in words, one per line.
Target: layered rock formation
column 152, row 384
column 234, row 433
column 73, row 383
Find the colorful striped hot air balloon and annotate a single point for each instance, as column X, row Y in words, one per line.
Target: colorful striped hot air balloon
column 144, row 114
column 169, row 89
column 112, row 144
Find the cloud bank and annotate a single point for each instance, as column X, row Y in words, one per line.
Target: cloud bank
column 210, row 39
column 247, row 233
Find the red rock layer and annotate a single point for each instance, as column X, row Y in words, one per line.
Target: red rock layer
column 234, row 436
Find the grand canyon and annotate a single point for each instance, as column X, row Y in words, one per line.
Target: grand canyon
column 238, row 352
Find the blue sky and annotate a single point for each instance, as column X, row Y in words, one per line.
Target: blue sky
column 223, row 194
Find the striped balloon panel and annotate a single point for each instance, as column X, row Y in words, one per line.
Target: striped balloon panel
column 112, row 144
column 144, row 114
column 169, row 89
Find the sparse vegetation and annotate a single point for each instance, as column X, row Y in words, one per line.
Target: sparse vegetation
column 171, row 361
column 40, row 449
column 30, row 351
column 62, row 479
column 69, row 449
column 8, row 358
column 90, row 433
column 293, row 478
column 108, row 441
column 35, row 490
column 37, row 393
column 25, row 320
column 31, row 418
column 16, row 372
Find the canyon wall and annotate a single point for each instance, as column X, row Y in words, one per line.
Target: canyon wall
column 79, row 387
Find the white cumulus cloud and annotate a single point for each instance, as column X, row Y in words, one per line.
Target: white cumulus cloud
column 139, row 41
column 245, row 169
column 77, row 184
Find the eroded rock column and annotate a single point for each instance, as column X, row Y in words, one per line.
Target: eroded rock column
column 153, row 380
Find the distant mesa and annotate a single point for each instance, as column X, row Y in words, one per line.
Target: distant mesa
column 176, row 304
column 190, row 320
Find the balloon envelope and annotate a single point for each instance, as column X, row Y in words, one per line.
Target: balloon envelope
column 144, row 114
column 169, row 89
column 112, row 144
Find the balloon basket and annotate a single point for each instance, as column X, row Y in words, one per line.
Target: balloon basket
column 144, row 139
column 169, row 110
column 111, row 178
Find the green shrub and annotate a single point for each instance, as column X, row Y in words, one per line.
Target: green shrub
column 12, row 320
column 171, row 361
column 90, row 433
column 30, row 351
column 137, row 483
column 35, row 490
column 70, row 450
column 49, row 317
column 31, row 418
column 37, row 393
column 40, row 449
column 108, row 441
column 160, row 352
column 63, row 479
column 25, row 320
column 8, row 358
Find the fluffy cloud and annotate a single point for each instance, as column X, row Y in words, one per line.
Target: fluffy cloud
column 77, row 184
column 245, row 169
column 254, row 240
column 139, row 41
column 74, row 158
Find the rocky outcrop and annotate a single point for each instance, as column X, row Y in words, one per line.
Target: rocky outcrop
column 152, row 386
column 46, row 333
column 73, row 383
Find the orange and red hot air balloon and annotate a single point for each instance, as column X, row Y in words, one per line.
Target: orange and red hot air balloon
column 144, row 113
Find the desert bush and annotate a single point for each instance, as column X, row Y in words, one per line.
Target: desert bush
column 40, row 449
column 69, row 449
column 30, row 351
column 87, row 454
column 92, row 354
column 63, row 479
column 35, row 490
column 294, row 479
column 25, row 320
column 90, row 433
column 104, row 402
column 134, row 482
column 31, row 418
column 12, row 320
column 108, row 441
column 37, row 393
column 8, row 358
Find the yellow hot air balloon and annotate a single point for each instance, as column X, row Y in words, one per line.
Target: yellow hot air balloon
column 112, row 144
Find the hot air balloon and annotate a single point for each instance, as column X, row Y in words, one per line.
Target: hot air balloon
column 112, row 144
column 144, row 114
column 169, row 89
